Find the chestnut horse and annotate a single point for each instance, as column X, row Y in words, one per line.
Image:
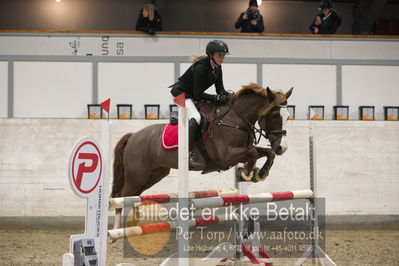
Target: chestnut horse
column 141, row 161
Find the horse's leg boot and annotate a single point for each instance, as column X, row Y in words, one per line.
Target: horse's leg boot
column 192, row 133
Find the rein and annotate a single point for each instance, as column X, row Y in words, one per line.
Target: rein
column 252, row 130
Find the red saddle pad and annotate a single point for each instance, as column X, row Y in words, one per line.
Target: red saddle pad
column 170, row 136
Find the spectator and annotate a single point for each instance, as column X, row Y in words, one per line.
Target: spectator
column 251, row 20
column 149, row 20
column 328, row 21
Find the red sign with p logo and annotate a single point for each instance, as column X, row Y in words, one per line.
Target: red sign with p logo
column 85, row 167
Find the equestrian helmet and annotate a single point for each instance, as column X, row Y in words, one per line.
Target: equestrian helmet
column 217, row 46
column 325, row 4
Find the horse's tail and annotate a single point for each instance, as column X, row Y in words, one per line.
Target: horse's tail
column 119, row 169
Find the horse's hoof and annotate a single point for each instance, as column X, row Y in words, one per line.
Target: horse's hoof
column 246, row 177
column 241, row 176
column 258, row 177
column 238, row 173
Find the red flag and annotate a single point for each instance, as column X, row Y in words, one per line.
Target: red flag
column 105, row 104
column 181, row 100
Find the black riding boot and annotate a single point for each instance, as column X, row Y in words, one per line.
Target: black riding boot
column 192, row 133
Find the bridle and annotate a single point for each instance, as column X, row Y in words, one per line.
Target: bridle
column 274, row 133
column 252, row 130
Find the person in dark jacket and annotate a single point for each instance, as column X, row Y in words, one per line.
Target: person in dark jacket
column 251, row 20
column 203, row 73
column 327, row 22
column 149, row 20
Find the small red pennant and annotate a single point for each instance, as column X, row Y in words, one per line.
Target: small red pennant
column 181, row 100
column 105, row 104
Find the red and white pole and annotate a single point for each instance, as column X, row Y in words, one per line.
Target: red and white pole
column 168, row 226
column 249, row 199
column 124, row 202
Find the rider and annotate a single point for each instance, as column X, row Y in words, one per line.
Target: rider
column 196, row 80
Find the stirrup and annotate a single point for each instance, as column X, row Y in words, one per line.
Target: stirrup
column 191, row 161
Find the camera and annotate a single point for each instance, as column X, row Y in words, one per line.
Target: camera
column 251, row 15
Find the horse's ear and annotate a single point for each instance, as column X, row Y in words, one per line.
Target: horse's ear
column 270, row 94
column 288, row 93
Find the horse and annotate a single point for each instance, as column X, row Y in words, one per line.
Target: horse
column 140, row 161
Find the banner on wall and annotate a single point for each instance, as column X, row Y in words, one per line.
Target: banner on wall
column 94, row 45
column 72, row 46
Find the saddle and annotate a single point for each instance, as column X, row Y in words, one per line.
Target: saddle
column 204, row 126
column 170, row 135
column 170, row 132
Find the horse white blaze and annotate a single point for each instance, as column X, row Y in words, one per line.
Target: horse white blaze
column 284, row 116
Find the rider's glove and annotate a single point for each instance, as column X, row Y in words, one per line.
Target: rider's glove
column 222, row 99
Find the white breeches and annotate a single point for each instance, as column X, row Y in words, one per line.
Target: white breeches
column 192, row 111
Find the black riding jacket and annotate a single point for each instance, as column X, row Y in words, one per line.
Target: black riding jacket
column 329, row 25
column 198, row 78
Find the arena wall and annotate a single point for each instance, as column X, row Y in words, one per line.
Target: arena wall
column 56, row 75
column 357, row 166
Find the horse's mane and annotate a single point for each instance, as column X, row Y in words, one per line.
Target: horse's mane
column 253, row 88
